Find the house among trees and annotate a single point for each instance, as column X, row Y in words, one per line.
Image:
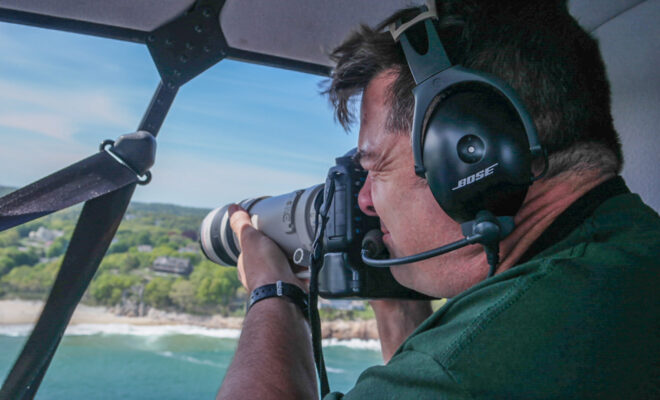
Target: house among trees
column 45, row 235
column 145, row 248
column 191, row 248
column 172, row 265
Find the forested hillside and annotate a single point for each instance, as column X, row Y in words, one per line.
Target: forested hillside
column 137, row 272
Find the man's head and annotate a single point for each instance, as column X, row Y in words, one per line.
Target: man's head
column 411, row 220
column 538, row 49
column 535, row 46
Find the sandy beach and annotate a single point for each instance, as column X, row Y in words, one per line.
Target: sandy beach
column 27, row 312
column 21, row 312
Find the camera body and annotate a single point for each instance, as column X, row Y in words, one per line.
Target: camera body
column 290, row 221
column 343, row 274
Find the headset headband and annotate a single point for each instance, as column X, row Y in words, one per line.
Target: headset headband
column 435, row 63
column 422, row 66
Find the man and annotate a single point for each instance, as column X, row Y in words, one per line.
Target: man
column 572, row 311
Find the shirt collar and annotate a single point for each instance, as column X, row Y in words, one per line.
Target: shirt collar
column 575, row 215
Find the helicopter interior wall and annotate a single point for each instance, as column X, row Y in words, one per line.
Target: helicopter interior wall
column 593, row 13
column 632, row 55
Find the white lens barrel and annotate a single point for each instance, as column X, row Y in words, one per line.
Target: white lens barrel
column 288, row 219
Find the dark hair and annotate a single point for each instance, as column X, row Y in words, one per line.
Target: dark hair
column 535, row 46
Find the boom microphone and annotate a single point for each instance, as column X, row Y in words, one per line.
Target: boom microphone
column 486, row 230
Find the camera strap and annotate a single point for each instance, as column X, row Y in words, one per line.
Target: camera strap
column 322, row 210
column 112, row 168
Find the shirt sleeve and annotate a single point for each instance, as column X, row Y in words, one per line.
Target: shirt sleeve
column 409, row 375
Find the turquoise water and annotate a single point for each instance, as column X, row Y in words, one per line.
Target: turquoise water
column 121, row 362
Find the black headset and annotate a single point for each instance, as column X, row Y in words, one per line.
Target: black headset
column 472, row 139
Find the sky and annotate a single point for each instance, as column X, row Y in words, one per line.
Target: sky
column 236, row 131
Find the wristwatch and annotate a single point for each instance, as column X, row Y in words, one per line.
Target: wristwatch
column 289, row 291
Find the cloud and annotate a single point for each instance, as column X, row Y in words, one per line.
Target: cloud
column 48, row 124
column 25, row 158
column 189, row 180
column 60, row 112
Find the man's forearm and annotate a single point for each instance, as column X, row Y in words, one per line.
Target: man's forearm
column 274, row 355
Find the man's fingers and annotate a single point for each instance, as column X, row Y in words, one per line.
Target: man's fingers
column 239, row 220
column 240, row 271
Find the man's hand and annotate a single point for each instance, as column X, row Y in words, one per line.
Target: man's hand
column 261, row 261
column 274, row 355
column 396, row 320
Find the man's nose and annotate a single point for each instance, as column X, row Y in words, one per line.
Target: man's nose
column 364, row 199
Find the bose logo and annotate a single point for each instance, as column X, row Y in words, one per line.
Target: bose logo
column 475, row 177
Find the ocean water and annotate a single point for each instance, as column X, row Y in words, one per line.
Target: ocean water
column 161, row 362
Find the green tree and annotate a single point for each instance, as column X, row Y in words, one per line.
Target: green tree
column 178, row 241
column 143, row 237
column 164, row 241
column 128, row 262
column 12, row 257
column 119, row 247
column 214, row 285
column 163, row 251
column 25, row 279
column 9, row 238
column 144, row 260
column 58, row 247
column 110, row 262
column 122, row 262
column 157, row 291
column 182, row 294
column 108, row 288
column 6, row 264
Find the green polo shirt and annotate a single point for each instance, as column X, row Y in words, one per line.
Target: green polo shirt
column 578, row 319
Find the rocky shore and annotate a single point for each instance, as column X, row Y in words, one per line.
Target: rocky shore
column 26, row 312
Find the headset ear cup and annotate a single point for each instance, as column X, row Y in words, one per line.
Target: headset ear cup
column 476, row 153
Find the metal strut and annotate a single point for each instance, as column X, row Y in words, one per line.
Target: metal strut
column 96, row 226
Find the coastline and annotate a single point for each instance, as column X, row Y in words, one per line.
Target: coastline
column 25, row 312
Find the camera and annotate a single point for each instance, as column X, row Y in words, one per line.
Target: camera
column 290, row 220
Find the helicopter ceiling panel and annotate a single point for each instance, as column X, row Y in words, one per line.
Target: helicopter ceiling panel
column 142, row 15
column 307, row 31
column 299, row 29
column 294, row 34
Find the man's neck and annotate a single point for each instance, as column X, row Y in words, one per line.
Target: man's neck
column 545, row 201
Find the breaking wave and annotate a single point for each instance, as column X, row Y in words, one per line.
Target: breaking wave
column 164, row 330
column 126, row 329
column 354, row 343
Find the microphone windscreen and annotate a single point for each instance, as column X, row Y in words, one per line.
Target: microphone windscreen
column 373, row 243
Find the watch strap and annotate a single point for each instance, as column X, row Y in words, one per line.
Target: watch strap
column 289, row 291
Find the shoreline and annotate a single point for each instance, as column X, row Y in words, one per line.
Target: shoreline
column 24, row 312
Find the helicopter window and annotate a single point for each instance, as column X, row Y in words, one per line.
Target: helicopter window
column 242, row 130
column 238, row 130
column 62, row 94
column 235, row 131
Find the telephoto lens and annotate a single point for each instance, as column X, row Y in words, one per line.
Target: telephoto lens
column 288, row 219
